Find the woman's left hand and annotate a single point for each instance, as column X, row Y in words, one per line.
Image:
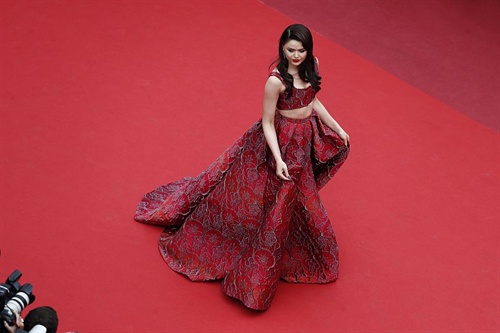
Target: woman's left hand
column 344, row 136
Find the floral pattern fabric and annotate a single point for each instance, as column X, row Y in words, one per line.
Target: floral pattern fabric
column 298, row 98
column 237, row 221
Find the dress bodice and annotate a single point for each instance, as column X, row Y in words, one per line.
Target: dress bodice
column 300, row 97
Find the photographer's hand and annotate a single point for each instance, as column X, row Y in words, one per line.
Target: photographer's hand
column 18, row 325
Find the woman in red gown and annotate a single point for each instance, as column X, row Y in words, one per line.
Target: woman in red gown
column 254, row 215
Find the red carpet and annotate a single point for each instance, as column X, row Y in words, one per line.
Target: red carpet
column 103, row 101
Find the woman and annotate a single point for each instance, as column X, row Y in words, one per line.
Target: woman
column 254, row 215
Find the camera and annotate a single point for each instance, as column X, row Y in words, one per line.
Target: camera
column 14, row 298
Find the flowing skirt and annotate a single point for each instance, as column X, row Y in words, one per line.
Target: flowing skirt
column 239, row 222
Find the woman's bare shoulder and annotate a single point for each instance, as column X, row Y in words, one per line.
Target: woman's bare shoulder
column 273, row 84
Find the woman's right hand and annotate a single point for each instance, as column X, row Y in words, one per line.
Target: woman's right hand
column 282, row 170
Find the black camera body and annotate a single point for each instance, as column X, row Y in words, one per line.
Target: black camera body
column 14, row 298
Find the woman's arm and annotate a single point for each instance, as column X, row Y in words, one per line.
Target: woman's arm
column 328, row 120
column 272, row 90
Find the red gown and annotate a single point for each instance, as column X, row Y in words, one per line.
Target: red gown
column 237, row 221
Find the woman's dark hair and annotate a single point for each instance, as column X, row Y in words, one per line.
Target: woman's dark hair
column 308, row 68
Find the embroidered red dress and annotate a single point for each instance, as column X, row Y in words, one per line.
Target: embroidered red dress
column 237, row 221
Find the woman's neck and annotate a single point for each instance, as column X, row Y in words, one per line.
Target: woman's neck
column 292, row 69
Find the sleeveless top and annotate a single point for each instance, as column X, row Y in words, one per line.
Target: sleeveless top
column 300, row 97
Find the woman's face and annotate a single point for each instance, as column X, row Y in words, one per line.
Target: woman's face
column 294, row 52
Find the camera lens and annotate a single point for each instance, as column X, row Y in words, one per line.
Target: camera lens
column 18, row 302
